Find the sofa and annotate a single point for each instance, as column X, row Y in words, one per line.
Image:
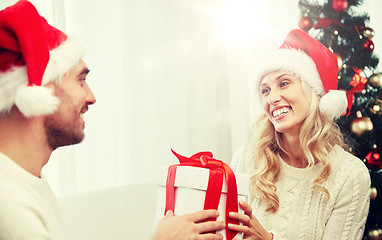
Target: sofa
column 125, row 212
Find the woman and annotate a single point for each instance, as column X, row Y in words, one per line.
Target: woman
column 304, row 185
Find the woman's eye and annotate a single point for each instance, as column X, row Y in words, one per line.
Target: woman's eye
column 282, row 84
column 264, row 90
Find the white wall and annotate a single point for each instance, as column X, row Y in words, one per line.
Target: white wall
column 166, row 74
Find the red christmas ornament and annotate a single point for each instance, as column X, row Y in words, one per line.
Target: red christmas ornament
column 373, row 159
column 305, row 23
column 368, row 46
column 339, row 5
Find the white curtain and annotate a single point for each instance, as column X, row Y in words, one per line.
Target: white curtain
column 166, row 74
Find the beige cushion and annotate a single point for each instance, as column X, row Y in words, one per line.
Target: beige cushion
column 119, row 213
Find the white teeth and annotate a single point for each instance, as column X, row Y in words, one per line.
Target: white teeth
column 280, row 111
column 81, row 115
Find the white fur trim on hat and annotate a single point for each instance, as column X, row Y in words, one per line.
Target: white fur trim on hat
column 38, row 100
column 333, row 104
column 10, row 82
column 62, row 59
column 293, row 61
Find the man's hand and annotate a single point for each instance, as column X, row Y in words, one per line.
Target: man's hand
column 189, row 226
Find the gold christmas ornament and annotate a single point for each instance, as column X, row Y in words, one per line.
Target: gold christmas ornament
column 376, row 107
column 339, row 61
column 375, row 80
column 360, row 125
column 374, row 234
column 373, row 193
column 368, row 32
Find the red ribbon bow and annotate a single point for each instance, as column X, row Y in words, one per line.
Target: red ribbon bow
column 326, row 22
column 218, row 169
column 358, row 82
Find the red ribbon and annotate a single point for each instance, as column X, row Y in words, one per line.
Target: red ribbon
column 326, row 22
column 218, row 170
column 358, row 82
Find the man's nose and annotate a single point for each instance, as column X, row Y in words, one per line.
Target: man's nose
column 90, row 98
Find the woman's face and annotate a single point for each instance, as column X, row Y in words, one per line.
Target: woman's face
column 284, row 101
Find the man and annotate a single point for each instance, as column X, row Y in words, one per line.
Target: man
column 43, row 96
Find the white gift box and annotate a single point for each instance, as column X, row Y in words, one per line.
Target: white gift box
column 191, row 186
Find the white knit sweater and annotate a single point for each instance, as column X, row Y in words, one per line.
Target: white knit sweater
column 304, row 213
column 28, row 207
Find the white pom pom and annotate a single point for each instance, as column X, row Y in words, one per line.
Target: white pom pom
column 36, row 101
column 333, row 104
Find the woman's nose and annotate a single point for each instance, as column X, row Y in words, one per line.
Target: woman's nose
column 274, row 96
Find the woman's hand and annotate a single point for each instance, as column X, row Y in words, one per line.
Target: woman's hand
column 189, row 226
column 251, row 227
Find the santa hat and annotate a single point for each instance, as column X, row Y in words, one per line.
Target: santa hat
column 32, row 54
column 315, row 64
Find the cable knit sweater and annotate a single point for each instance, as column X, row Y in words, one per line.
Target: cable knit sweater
column 304, row 213
column 28, row 207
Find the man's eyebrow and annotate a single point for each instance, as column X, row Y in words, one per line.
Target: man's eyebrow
column 84, row 71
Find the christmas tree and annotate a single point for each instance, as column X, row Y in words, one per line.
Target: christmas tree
column 342, row 27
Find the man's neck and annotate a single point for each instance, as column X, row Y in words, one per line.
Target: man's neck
column 24, row 141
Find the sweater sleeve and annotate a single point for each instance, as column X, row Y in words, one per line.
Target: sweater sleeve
column 21, row 220
column 351, row 205
column 348, row 218
column 28, row 214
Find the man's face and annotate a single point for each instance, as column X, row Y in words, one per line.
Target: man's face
column 66, row 125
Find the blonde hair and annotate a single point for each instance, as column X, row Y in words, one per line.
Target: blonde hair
column 318, row 136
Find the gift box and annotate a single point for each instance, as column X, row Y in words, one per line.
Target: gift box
column 201, row 182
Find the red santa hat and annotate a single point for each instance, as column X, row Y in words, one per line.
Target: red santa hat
column 32, row 54
column 315, row 64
